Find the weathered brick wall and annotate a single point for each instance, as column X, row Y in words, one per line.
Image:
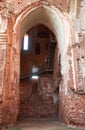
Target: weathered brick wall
column 63, row 5
column 11, row 90
column 72, row 108
column 79, row 49
column 11, row 81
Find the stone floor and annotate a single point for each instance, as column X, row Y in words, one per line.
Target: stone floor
column 44, row 124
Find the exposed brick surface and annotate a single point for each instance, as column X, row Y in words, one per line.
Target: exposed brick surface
column 72, row 108
column 72, row 82
column 63, row 5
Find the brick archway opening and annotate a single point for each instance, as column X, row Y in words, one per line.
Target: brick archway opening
column 38, row 72
column 28, row 18
column 58, row 24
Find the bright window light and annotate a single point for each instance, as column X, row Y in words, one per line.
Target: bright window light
column 35, row 77
column 34, row 70
column 26, row 41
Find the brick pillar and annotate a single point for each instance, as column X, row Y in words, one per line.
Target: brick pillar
column 11, row 93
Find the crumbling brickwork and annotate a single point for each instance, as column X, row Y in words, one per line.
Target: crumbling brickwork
column 66, row 20
column 72, row 108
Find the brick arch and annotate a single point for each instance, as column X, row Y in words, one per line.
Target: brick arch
column 30, row 16
column 55, row 20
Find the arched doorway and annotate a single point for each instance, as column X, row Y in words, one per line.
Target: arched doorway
column 59, row 25
column 38, row 94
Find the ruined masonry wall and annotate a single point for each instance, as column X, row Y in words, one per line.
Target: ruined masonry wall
column 72, row 113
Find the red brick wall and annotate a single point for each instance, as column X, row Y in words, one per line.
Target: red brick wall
column 11, row 81
column 72, row 105
column 72, row 108
column 63, row 5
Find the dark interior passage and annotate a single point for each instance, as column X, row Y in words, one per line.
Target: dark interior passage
column 39, row 80
column 37, row 99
